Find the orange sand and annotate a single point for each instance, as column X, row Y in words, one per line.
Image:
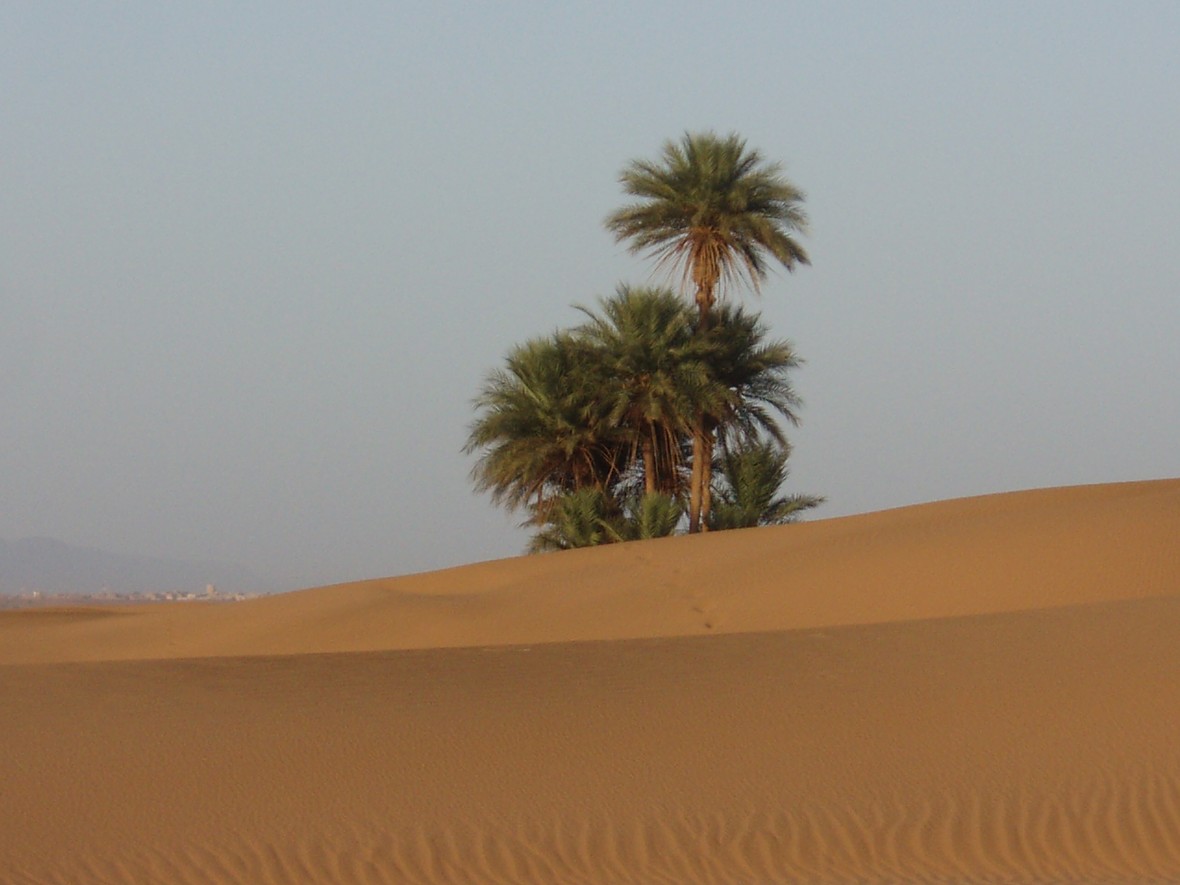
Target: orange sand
column 982, row 690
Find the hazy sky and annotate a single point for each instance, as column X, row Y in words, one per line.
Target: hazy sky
column 255, row 259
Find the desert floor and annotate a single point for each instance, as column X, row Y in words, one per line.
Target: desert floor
column 981, row 690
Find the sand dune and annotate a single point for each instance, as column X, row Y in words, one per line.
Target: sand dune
column 983, row 690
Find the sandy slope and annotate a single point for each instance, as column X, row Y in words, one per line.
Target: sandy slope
column 984, row 690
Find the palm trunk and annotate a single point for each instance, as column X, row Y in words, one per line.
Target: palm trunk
column 706, row 481
column 694, row 490
column 702, row 456
column 649, row 465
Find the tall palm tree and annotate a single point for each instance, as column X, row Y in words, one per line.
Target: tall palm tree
column 718, row 213
column 642, row 340
column 713, row 210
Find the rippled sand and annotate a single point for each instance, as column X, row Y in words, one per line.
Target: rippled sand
column 983, row 690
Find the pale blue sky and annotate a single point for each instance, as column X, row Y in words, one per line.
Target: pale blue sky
column 255, row 259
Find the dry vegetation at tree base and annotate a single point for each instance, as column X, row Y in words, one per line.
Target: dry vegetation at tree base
column 982, row 690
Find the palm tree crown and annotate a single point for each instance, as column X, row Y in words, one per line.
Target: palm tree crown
column 751, row 379
column 712, row 210
column 541, row 431
column 654, row 374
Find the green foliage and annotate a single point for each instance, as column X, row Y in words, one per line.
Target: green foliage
column 589, row 517
column 751, row 377
column 652, row 515
column 750, row 479
column 580, row 518
column 653, row 375
column 541, row 431
column 712, row 211
column 587, row 430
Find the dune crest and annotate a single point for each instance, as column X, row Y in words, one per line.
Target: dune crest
column 980, row 690
column 1009, row 552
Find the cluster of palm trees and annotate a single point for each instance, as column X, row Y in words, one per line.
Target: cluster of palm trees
column 654, row 409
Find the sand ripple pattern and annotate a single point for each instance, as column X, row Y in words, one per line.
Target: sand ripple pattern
column 1120, row 830
column 981, row 691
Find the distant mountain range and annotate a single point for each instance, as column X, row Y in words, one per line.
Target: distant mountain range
column 53, row 566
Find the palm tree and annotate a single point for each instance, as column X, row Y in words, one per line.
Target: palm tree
column 589, row 517
column 751, row 385
column 643, row 343
column 540, row 430
column 587, row 429
column 579, row 518
column 653, row 515
column 718, row 213
column 713, row 210
column 752, row 474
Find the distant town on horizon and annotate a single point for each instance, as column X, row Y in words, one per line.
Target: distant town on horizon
column 37, row 569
